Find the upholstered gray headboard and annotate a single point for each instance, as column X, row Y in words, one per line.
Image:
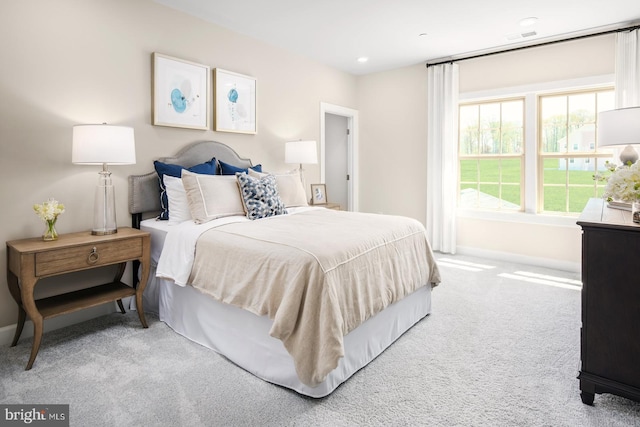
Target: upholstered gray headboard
column 144, row 190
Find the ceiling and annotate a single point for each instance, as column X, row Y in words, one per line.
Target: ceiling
column 399, row 33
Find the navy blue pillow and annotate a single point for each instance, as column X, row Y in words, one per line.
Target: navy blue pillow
column 162, row 169
column 228, row 169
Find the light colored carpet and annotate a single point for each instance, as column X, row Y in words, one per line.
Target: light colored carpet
column 496, row 351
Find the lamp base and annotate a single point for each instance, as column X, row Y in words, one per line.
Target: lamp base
column 104, row 210
column 301, row 172
column 629, row 155
column 103, row 232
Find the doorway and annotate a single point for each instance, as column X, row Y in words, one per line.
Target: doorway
column 339, row 154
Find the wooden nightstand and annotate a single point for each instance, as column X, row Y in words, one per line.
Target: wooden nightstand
column 31, row 259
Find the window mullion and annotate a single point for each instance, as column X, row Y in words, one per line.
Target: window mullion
column 530, row 168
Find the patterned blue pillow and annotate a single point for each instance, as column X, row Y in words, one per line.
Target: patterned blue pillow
column 162, row 169
column 260, row 196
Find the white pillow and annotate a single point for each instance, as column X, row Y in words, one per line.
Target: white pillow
column 177, row 197
column 212, row 196
column 290, row 187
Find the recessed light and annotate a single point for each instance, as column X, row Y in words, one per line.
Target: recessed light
column 363, row 59
column 422, row 34
column 526, row 22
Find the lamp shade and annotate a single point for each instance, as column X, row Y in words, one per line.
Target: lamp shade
column 301, row 152
column 619, row 127
column 103, row 144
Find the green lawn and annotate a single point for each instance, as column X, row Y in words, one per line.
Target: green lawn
column 484, row 176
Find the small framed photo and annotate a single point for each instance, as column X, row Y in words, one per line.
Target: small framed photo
column 318, row 194
column 235, row 102
column 180, row 95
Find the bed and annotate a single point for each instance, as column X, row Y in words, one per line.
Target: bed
column 303, row 299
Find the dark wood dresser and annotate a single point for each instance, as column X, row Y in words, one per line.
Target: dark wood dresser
column 610, row 334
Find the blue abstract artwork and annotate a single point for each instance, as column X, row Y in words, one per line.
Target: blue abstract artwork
column 178, row 101
column 180, row 97
column 235, row 96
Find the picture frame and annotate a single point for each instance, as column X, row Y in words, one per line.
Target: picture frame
column 180, row 93
column 235, row 102
column 318, row 194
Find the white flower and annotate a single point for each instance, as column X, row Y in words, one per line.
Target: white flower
column 623, row 184
column 49, row 210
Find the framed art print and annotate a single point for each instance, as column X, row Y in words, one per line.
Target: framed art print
column 180, row 93
column 235, row 102
column 318, row 194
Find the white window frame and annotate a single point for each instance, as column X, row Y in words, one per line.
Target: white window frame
column 571, row 156
column 530, row 93
column 500, row 156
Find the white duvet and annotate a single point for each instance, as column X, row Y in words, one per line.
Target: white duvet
column 178, row 252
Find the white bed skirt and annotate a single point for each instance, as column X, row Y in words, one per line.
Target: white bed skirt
column 243, row 337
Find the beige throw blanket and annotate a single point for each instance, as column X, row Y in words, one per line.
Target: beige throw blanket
column 318, row 274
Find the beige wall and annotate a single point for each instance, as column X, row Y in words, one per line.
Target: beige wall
column 68, row 62
column 393, row 133
column 587, row 57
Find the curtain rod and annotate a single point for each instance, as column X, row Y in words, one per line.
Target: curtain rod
column 464, row 58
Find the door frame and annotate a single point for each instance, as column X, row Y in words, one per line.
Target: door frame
column 352, row 149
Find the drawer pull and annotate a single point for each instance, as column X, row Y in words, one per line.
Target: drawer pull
column 93, row 256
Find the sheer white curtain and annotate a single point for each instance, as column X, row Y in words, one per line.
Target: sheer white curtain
column 628, row 69
column 442, row 156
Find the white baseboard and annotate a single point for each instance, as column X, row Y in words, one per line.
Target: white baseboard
column 573, row 267
column 7, row 332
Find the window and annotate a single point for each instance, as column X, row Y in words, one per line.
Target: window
column 535, row 153
column 568, row 156
column 491, row 136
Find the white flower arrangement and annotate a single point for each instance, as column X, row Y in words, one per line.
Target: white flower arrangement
column 48, row 211
column 623, row 184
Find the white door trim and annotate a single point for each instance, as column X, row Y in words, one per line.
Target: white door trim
column 352, row 148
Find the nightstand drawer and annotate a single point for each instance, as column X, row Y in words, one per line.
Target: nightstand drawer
column 87, row 256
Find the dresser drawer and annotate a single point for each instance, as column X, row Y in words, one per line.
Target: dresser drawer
column 87, row 256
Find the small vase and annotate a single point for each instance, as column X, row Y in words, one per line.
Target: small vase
column 635, row 212
column 50, row 232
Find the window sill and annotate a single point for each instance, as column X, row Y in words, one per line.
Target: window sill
column 559, row 220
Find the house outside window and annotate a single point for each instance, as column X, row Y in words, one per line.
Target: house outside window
column 535, row 153
column 568, row 154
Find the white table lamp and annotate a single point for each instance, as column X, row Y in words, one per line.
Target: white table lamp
column 301, row 152
column 103, row 145
column 620, row 128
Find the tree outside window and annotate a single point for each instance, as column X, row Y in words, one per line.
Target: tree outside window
column 491, row 154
